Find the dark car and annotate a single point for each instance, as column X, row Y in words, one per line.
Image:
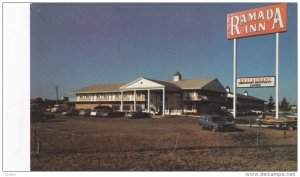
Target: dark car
column 217, row 122
column 84, row 112
column 72, row 112
column 95, row 113
column 137, row 114
column 102, row 111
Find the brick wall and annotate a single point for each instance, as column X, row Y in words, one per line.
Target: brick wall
column 86, row 106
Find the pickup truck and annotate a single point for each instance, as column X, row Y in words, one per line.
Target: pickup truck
column 216, row 122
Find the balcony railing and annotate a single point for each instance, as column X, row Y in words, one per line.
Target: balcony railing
column 112, row 98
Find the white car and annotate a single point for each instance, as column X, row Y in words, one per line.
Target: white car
column 256, row 111
column 60, row 108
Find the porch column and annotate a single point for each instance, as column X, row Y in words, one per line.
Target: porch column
column 148, row 100
column 163, row 102
column 134, row 100
column 121, row 101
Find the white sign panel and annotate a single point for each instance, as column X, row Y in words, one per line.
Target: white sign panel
column 256, row 82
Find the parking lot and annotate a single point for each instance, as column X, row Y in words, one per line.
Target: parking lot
column 175, row 143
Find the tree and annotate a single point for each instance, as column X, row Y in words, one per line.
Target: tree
column 271, row 103
column 284, row 106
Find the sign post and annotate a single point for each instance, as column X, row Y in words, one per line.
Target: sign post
column 253, row 22
column 234, row 78
column 277, row 74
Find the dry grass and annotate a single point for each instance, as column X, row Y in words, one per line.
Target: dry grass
column 159, row 144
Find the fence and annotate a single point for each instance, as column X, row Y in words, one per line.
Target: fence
column 72, row 140
column 90, row 149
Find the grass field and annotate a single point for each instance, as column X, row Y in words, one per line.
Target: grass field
column 168, row 144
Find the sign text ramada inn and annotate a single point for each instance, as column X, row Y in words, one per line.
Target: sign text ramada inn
column 257, row 21
column 253, row 22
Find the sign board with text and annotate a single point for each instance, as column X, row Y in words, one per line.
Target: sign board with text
column 259, row 21
column 255, row 82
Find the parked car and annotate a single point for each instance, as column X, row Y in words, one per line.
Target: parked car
column 293, row 115
column 216, row 122
column 72, row 112
column 137, row 114
column 116, row 114
column 256, row 111
column 60, row 108
column 95, row 113
column 101, row 111
column 105, row 113
column 152, row 111
column 84, row 112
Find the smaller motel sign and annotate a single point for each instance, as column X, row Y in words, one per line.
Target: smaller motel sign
column 254, row 82
column 259, row 21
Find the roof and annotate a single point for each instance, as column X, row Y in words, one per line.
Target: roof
column 100, row 88
column 211, row 84
column 168, row 85
column 177, row 73
column 204, row 84
column 247, row 97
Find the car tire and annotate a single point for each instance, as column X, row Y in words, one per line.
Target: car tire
column 213, row 129
column 258, row 123
column 290, row 127
column 278, row 125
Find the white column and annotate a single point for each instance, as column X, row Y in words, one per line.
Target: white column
column 134, row 100
column 149, row 100
column 121, row 101
column 163, row 102
column 277, row 74
column 234, row 78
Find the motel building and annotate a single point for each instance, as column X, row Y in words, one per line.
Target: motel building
column 176, row 97
column 245, row 102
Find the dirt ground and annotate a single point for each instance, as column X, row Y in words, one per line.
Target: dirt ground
column 164, row 144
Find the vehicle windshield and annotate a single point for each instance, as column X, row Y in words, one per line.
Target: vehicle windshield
column 221, row 119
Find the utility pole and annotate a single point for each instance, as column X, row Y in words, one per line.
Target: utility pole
column 56, row 89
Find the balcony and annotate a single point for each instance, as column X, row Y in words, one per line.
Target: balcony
column 113, row 98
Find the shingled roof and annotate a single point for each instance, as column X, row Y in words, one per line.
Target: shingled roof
column 100, row 88
column 249, row 97
column 205, row 84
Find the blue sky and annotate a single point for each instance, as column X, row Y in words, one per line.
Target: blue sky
column 77, row 45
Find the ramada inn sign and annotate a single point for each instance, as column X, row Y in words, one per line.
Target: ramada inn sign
column 253, row 22
column 264, row 20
